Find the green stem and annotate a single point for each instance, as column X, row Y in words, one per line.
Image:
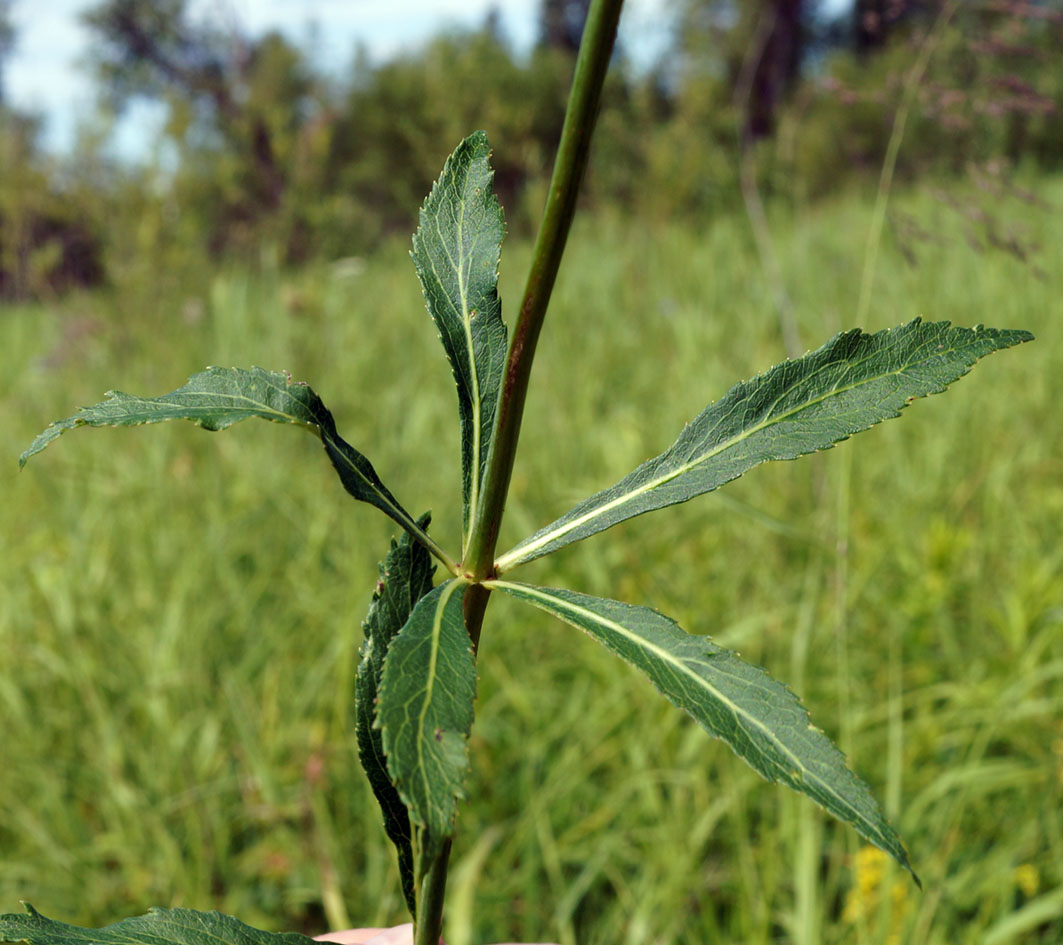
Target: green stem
column 596, row 48
column 599, row 35
column 433, row 547
column 428, row 927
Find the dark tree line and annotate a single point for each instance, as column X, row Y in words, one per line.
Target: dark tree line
column 263, row 150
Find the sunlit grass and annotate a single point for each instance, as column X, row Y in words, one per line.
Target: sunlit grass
column 181, row 611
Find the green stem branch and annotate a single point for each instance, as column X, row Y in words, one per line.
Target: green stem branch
column 599, row 35
column 428, row 927
column 596, row 48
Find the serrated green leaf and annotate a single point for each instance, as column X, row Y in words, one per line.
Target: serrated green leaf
column 853, row 382
column 158, row 927
column 425, row 708
column 762, row 720
column 405, row 577
column 219, row 397
column 455, row 251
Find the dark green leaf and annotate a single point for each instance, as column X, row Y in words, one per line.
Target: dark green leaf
column 762, row 720
column 405, row 577
column 158, row 927
column 854, row 381
column 425, row 708
column 219, row 397
column 455, row 251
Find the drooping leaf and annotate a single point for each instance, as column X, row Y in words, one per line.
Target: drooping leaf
column 425, row 708
column 219, row 397
column 762, row 720
column 158, row 927
column 405, row 577
column 455, row 251
column 853, row 382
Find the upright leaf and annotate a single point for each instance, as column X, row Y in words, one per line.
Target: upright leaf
column 219, row 397
column 425, row 708
column 762, row 720
column 455, row 251
column 405, row 577
column 158, row 927
column 854, row 381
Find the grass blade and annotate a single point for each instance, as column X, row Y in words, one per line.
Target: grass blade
column 455, row 251
column 851, row 383
column 762, row 720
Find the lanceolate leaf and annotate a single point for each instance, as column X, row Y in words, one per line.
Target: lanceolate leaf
column 455, row 252
column 425, row 708
column 219, row 397
column 762, row 720
column 158, row 927
column 854, row 381
column 405, row 577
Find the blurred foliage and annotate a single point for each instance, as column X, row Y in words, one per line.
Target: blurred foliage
column 49, row 226
column 264, row 158
column 180, row 614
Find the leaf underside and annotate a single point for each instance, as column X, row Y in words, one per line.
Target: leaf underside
column 455, row 252
column 425, row 708
column 405, row 577
column 219, row 397
column 760, row 718
column 851, row 383
column 158, row 927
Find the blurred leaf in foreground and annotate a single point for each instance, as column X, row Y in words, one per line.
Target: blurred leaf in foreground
column 158, row 927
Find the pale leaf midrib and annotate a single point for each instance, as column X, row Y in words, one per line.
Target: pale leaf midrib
column 679, row 665
column 521, row 552
column 255, row 376
column 256, row 406
column 458, row 265
column 437, row 623
column 466, row 322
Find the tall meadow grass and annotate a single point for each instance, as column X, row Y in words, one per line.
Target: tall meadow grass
column 180, row 613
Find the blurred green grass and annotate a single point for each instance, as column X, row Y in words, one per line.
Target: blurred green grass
column 180, row 615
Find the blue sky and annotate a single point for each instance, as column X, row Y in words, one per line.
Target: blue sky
column 46, row 73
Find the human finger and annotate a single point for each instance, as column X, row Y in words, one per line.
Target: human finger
column 350, row 936
column 399, row 935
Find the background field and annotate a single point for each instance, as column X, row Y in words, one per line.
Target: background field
column 180, row 614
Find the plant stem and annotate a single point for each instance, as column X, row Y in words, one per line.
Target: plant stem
column 428, row 927
column 596, row 48
column 599, row 35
